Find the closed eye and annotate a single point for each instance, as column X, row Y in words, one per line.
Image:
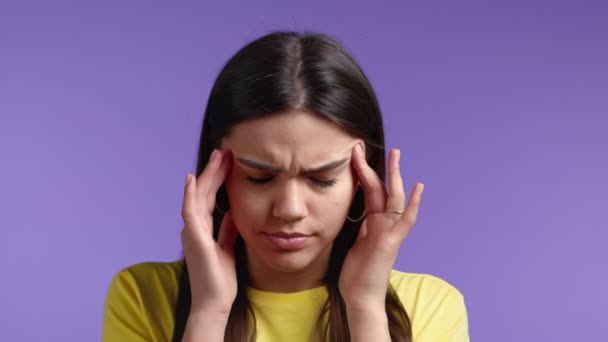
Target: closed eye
column 255, row 180
column 324, row 183
column 317, row 182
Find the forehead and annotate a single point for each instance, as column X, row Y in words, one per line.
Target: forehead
column 291, row 136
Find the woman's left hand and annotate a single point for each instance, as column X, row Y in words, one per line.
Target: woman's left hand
column 366, row 271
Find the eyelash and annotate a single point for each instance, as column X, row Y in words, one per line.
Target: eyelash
column 319, row 183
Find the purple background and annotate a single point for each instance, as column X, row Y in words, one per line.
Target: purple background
column 500, row 109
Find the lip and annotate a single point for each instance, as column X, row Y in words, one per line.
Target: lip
column 286, row 235
column 287, row 241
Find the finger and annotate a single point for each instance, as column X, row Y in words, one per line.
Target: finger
column 189, row 202
column 228, row 233
column 222, row 172
column 375, row 193
column 396, row 194
column 411, row 211
column 205, row 178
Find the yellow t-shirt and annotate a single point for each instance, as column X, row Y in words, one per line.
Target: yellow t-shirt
column 141, row 300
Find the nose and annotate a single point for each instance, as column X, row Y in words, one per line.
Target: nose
column 289, row 203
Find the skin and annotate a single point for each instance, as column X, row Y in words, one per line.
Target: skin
column 292, row 200
column 281, row 150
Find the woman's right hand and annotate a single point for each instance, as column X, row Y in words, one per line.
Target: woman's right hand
column 210, row 263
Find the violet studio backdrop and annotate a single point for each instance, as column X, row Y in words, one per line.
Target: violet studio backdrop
column 498, row 107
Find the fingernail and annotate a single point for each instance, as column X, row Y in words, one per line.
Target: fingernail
column 359, row 149
column 213, row 155
column 187, row 178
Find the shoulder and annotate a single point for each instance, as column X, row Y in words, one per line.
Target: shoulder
column 152, row 271
column 425, row 285
column 141, row 300
column 436, row 308
column 148, row 278
column 147, row 281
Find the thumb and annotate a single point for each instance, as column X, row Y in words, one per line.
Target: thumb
column 362, row 230
column 228, row 233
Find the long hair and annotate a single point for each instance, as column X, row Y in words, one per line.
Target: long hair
column 277, row 73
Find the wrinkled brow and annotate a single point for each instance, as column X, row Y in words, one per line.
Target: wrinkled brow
column 271, row 169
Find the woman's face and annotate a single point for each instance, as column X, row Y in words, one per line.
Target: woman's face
column 290, row 189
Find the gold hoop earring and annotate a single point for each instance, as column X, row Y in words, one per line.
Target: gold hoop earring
column 358, row 219
column 364, row 210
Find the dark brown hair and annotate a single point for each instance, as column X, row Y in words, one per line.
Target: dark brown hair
column 277, row 73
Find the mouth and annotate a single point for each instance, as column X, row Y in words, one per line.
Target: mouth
column 287, row 241
column 287, row 235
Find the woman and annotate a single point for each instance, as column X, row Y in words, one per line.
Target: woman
column 289, row 231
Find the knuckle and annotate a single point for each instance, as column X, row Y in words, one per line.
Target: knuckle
column 390, row 243
column 410, row 218
column 187, row 214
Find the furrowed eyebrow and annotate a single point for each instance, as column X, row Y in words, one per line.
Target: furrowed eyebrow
column 259, row 166
column 270, row 169
column 327, row 167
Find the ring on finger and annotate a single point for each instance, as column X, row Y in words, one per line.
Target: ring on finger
column 393, row 211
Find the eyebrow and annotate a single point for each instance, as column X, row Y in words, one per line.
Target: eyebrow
column 270, row 169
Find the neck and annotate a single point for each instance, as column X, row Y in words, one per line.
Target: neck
column 269, row 279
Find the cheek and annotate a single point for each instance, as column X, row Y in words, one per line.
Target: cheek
column 246, row 205
column 347, row 190
column 334, row 207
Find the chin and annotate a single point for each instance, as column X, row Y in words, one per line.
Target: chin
column 286, row 261
column 304, row 257
column 288, row 265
